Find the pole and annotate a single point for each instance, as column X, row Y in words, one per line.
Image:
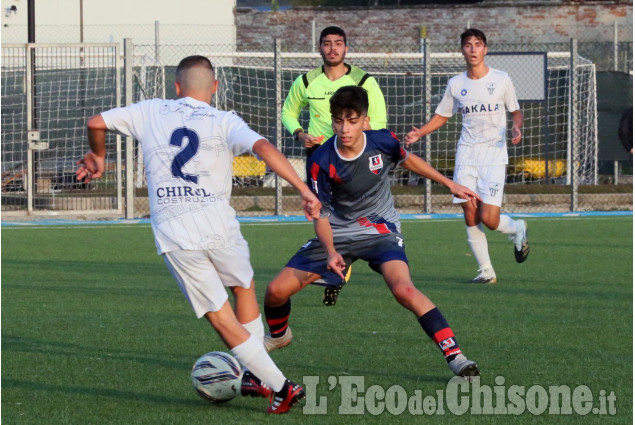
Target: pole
column 278, row 72
column 574, row 127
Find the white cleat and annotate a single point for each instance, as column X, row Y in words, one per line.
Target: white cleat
column 521, row 246
column 275, row 343
column 461, row 366
column 485, row 276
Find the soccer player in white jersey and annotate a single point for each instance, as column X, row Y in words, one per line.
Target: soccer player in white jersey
column 188, row 147
column 482, row 95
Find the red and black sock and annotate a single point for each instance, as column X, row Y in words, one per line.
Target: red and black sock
column 437, row 328
column 278, row 318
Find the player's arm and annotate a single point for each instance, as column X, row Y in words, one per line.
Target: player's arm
column 91, row 166
column 376, row 104
column 436, row 122
column 293, row 104
column 517, row 124
column 281, row 166
column 416, row 164
column 324, row 233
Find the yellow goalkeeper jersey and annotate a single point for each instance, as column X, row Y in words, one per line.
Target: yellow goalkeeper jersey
column 314, row 90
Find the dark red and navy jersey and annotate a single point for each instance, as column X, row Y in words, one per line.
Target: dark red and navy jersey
column 355, row 192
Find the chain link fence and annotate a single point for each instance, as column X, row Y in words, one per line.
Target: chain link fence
column 554, row 169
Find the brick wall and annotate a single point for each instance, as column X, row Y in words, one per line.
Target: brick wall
column 503, row 21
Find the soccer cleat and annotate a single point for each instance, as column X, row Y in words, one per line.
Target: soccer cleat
column 254, row 387
column 272, row 343
column 332, row 291
column 521, row 246
column 485, row 276
column 286, row 398
column 461, row 366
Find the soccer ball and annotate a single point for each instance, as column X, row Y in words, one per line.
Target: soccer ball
column 216, row 376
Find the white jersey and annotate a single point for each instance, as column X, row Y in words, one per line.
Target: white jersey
column 483, row 104
column 188, row 147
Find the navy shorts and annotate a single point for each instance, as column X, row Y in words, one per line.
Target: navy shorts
column 376, row 250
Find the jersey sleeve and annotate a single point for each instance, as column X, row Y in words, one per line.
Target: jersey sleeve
column 128, row 120
column 397, row 152
column 293, row 104
column 376, row 104
column 446, row 108
column 240, row 138
column 320, row 185
column 510, row 99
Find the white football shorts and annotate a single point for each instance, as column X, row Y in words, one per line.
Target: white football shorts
column 488, row 181
column 203, row 275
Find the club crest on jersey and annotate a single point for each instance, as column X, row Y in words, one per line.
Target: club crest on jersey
column 493, row 189
column 463, row 92
column 491, row 87
column 375, row 164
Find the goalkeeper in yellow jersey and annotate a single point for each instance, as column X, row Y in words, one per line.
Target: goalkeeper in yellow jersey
column 315, row 88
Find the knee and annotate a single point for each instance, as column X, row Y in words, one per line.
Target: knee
column 491, row 221
column 276, row 295
column 404, row 293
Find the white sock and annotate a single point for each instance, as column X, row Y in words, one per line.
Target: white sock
column 256, row 328
column 506, row 225
column 253, row 356
column 478, row 243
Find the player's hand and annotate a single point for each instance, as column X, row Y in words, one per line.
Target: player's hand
column 311, row 140
column 464, row 193
column 90, row 167
column 412, row 136
column 516, row 135
column 310, row 205
column 336, row 264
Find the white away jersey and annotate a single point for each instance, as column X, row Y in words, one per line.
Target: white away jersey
column 188, row 147
column 483, row 104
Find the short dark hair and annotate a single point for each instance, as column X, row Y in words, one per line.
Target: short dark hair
column 330, row 31
column 349, row 98
column 195, row 60
column 473, row 32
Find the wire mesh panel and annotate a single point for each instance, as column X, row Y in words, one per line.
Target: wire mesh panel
column 14, row 133
column 69, row 84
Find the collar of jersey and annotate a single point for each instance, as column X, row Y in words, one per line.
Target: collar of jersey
column 349, row 159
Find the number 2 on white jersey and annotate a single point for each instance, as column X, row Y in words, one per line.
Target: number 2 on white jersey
column 186, row 153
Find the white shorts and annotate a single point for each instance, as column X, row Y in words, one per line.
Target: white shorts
column 487, row 181
column 203, row 275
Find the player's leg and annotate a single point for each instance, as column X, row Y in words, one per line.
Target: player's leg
column 491, row 187
column 397, row 276
column 476, row 238
column 247, row 309
column 278, row 305
column 250, row 352
column 234, row 269
column 201, row 284
column 235, row 272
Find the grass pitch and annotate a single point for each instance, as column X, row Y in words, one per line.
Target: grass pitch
column 95, row 331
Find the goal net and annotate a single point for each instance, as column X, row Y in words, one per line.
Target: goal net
column 256, row 84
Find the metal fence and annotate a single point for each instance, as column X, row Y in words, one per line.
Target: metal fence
column 554, row 169
column 48, row 93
